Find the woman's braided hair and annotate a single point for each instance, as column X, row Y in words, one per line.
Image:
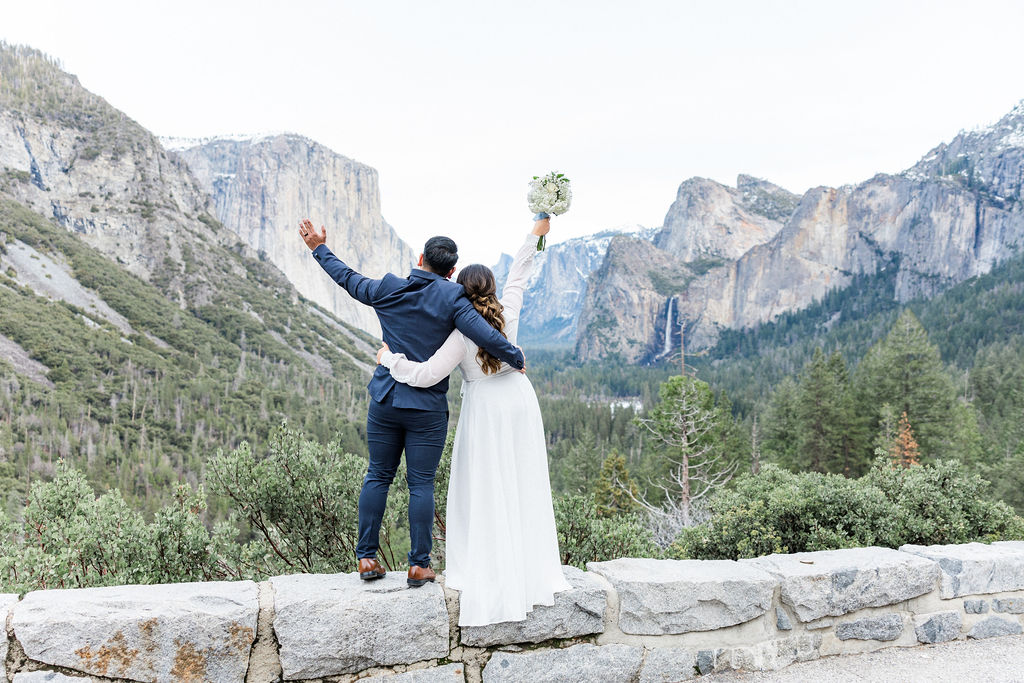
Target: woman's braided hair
column 478, row 281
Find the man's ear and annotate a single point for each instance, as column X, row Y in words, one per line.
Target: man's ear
column 419, row 264
column 450, row 273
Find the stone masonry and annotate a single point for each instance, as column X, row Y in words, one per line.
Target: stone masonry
column 629, row 619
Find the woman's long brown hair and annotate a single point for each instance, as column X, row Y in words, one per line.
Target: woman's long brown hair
column 478, row 281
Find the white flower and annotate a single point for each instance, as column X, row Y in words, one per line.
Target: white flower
column 550, row 194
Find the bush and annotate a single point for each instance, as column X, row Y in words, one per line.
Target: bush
column 942, row 503
column 301, row 502
column 777, row 511
column 70, row 538
column 585, row 536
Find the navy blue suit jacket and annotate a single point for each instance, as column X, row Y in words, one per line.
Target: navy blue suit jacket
column 416, row 315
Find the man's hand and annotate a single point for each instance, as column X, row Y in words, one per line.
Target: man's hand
column 522, row 369
column 310, row 236
column 381, row 351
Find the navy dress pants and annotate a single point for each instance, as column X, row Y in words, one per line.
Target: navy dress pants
column 389, row 431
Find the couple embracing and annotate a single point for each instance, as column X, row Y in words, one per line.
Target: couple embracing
column 501, row 544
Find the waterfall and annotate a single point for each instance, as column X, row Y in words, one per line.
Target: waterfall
column 668, row 329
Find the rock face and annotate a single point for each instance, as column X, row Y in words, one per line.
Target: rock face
column 954, row 215
column 635, row 279
column 576, row 612
column 104, row 177
column 835, row 582
column 679, row 596
column 973, row 568
column 69, row 156
column 626, row 309
column 711, row 221
column 606, row 663
column 321, row 623
column 558, row 285
column 262, row 187
column 187, row 632
column 938, row 627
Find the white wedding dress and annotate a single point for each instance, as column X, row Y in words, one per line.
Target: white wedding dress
column 501, row 544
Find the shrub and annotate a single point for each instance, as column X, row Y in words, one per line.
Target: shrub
column 585, row 536
column 777, row 511
column 301, row 502
column 942, row 503
column 70, row 538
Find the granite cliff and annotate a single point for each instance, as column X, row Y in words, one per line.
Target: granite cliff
column 261, row 187
column 558, row 284
column 70, row 157
column 952, row 216
column 138, row 335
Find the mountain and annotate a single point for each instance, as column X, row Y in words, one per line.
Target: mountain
column 954, row 215
column 558, row 284
column 138, row 335
column 711, row 221
column 708, row 226
column 261, row 187
column 635, row 277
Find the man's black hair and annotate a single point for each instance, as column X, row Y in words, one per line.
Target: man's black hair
column 441, row 254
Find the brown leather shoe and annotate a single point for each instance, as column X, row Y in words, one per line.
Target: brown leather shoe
column 370, row 569
column 420, row 575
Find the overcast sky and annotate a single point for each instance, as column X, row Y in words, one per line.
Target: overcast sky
column 457, row 104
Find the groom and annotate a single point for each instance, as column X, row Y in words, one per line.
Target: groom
column 416, row 315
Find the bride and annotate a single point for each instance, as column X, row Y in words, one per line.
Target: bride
column 501, row 545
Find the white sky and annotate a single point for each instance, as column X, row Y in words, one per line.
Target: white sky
column 457, row 104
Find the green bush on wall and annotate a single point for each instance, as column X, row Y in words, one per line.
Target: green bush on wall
column 778, row 511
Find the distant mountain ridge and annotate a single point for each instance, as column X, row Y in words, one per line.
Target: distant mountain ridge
column 736, row 259
column 558, row 284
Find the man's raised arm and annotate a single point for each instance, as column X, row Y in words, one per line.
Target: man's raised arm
column 361, row 288
column 470, row 323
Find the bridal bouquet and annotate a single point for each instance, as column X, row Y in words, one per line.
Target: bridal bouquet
column 549, row 195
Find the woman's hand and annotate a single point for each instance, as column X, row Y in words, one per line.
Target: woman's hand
column 542, row 227
column 380, row 352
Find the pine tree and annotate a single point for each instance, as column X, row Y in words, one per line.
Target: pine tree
column 615, row 491
column 780, row 425
column 905, row 370
column 888, row 426
column 689, row 425
column 824, row 417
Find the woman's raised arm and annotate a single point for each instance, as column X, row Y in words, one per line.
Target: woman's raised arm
column 522, row 265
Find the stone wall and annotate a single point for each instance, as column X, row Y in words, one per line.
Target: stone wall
column 624, row 620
